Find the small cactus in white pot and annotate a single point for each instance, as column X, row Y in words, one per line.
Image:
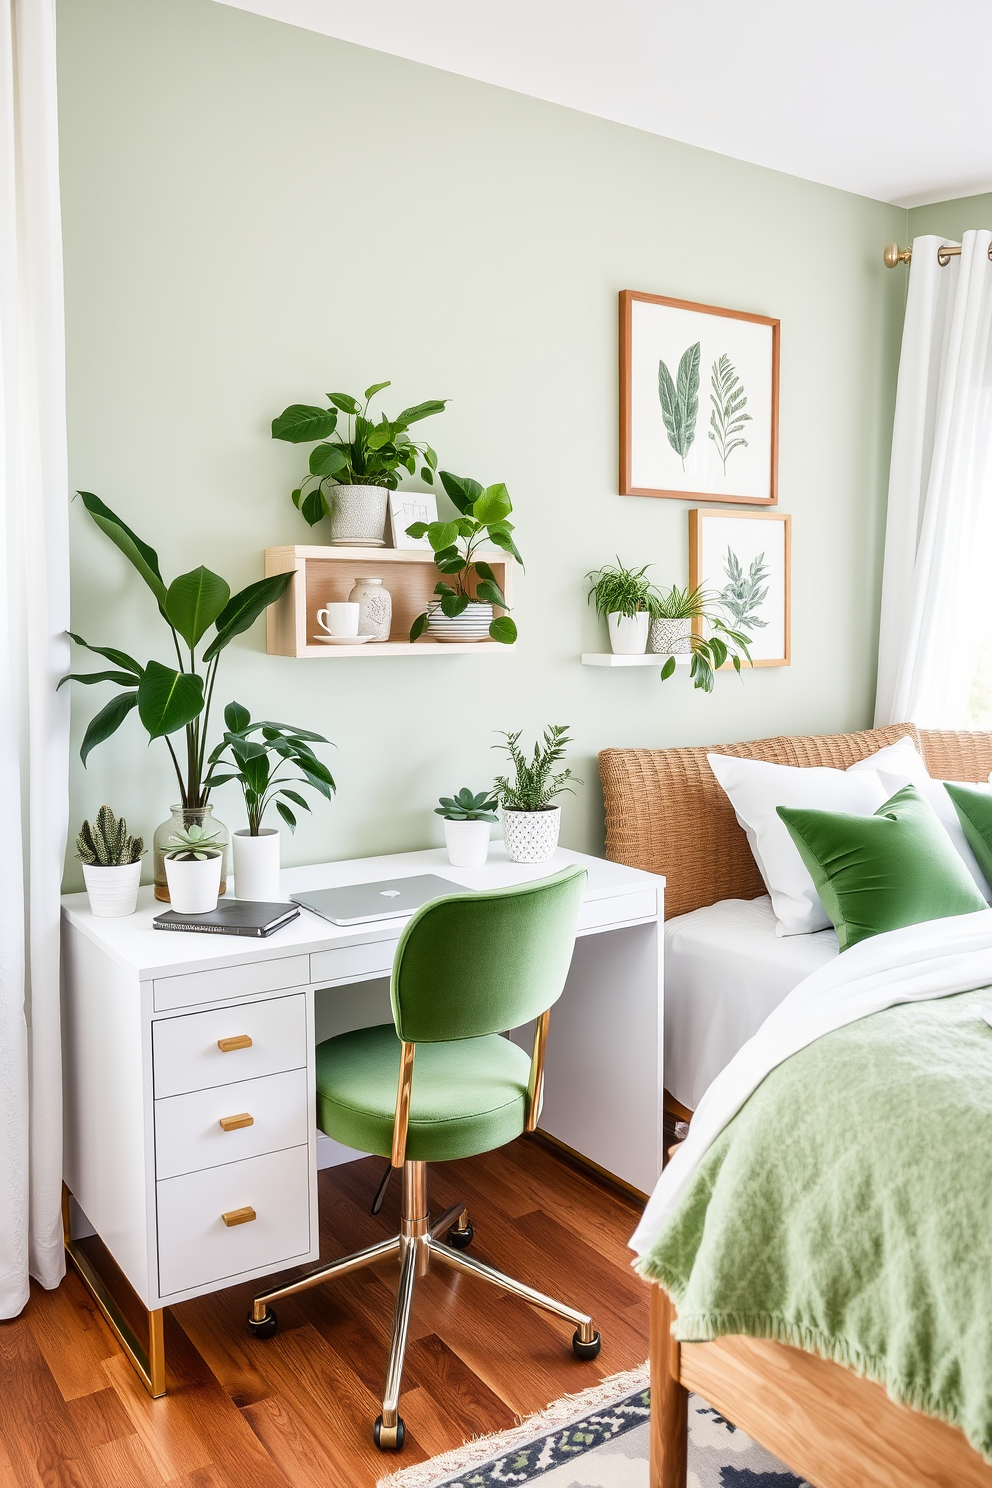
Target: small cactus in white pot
column 468, row 819
column 111, row 860
column 192, row 866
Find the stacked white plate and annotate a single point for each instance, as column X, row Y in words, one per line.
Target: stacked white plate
column 471, row 625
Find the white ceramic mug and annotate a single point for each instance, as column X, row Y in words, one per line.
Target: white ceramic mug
column 339, row 619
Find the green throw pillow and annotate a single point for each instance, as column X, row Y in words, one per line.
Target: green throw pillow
column 875, row 873
column 973, row 804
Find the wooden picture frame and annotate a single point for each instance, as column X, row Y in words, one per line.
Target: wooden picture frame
column 709, row 530
column 729, row 417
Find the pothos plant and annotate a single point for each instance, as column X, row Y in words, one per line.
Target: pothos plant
column 482, row 517
column 709, row 651
column 256, row 764
column 172, row 699
column 368, row 453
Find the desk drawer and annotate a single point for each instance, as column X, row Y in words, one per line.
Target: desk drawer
column 243, row 980
column 189, row 1135
column 196, row 1247
column 346, row 962
column 186, row 1055
column 619, row 909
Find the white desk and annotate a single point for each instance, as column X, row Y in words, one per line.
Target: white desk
column 146, row 1082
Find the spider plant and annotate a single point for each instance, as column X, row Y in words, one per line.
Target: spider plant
column 620, row 591
column 710, row 651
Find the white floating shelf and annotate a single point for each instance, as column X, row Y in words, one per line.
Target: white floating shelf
column 649, row 659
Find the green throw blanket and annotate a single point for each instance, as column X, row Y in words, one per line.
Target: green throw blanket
column 847, row 1209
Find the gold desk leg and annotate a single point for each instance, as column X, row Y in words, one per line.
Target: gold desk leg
column 149, row 1364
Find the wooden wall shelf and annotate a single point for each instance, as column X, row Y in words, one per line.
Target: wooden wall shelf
column 325, row 575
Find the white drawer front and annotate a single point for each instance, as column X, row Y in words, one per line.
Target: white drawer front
column 619, row 909
column 189, row 1134
column 186, row 1055
column 196, row 1247
column 242, row 980
column 346, row 962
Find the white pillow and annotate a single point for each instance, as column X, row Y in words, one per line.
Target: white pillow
column 902, row 758
column 755, row 788
column 935, row 795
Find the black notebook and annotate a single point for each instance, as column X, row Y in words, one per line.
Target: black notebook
column 239, row 917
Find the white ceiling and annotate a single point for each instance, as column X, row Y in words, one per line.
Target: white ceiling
column 890, row 100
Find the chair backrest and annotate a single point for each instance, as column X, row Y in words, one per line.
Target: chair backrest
column 486, row 961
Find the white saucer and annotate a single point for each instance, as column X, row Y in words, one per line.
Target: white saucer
column 344, row 640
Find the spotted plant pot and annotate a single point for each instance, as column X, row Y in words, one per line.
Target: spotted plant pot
column 671, row 637
column 531, row 836
column 358, row 516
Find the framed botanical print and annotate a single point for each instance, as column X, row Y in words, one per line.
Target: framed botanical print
column 744, row 562
column 698, row 401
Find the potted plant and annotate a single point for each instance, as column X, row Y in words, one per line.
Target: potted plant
column 530, row 822
column 463, row 610
column 623, row 596
column 467, row 821
column 674, row 614
column 170, row 699
column 257, row 764
column 111, row 860
column 351, row 473
column 192, row 864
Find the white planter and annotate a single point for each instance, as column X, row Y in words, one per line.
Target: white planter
column 471, row 625
column 671, row 637
column 194, row 885
column 629, row 633
column 358, row 516
column 112, row 891
column 256, row 865
column 467, row 843
column 531, row 836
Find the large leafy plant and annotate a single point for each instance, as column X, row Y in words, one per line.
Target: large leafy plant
column 535, row 782
column 257, row 764
column 367, row 453
column 172, row 699
column 482, row 517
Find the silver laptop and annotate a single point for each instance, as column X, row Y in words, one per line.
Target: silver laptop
column 357, row 904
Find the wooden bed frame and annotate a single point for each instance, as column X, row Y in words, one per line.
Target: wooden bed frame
column 665, row 812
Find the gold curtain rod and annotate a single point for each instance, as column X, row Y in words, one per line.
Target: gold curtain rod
column 895, row 255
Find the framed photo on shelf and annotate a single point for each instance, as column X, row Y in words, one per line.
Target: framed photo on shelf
column 744, row 561
column 698, row 401
column 407, row 507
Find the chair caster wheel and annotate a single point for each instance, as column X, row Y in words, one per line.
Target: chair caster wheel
column 460, row 1239
column 389, row 1438
column 264, row 1329
column 586, row 1350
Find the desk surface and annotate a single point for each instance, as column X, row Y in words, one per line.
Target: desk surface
column 133, row 942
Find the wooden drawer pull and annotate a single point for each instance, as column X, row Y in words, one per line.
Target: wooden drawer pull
column 234, row 1123
column 241, row 1041
column 239, row 1216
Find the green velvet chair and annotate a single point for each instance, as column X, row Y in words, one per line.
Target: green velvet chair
column 467, row 969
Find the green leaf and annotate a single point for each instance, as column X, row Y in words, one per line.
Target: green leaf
column 237, row 717
column 254, row 769
column 442, row 535
column 286, row 815
column 462, row 491
column 123, row 679
column 167, row 699
column 312, row 506
column 380, row 436
column 503, row 629
column 718, row 651
column 500, row 535
column 346, row 403
column 299, row 423
column 484, row 571
column 119, row 658
column 490, row 593
column 376, row 387
column 452, row 605
column 493, row 505
column 327, row 459
column 426, row 475
column 417, row 529
column 450, row 561
column 295, row 796
column 194, row 601
column 144, row 558
column 668, row 669
column 421, row 411
column 418, row 627
column 244, row 609
column 430, row 457
column 106, row 722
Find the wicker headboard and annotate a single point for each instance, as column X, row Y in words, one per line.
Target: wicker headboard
column 666, row 812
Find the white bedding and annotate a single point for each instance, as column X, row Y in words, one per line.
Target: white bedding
column 726, row 969
column 915, row 964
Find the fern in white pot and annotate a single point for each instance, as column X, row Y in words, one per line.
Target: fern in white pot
column 531, row 823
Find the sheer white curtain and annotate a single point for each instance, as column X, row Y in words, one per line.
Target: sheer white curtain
column 938, row 539
column 34, row 613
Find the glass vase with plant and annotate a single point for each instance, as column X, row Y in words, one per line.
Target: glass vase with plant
column 111, row 860
column 172, row 699
column 623, row 596
column 531, row 822
column 467, row 821
column 676, row 614
column 463, row 610
column 352, row 468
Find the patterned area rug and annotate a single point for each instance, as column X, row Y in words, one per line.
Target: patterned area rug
column 600, row 1440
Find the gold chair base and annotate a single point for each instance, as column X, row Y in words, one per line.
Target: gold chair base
column 149, row 1363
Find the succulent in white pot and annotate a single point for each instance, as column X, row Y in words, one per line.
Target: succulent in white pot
column 268, row 760
column 192, row 867
column 111, row 860
column 624, row 597
column 531, row 823
column 468, row 819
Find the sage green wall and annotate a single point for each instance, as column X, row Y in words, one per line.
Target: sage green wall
column 254, row 214
column 951, row 218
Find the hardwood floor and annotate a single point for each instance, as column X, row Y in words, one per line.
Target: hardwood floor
column 298, row 1409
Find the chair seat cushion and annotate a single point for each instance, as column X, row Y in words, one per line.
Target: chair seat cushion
column 469, row 1096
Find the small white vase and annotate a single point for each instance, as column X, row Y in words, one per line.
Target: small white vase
column 629, row 633
column 193, row 886
column 467, row 843
column 256, row 865
column 375, row 607
column 671, row 637
column 358, row 516
column 112, row 891
column 531, row 836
